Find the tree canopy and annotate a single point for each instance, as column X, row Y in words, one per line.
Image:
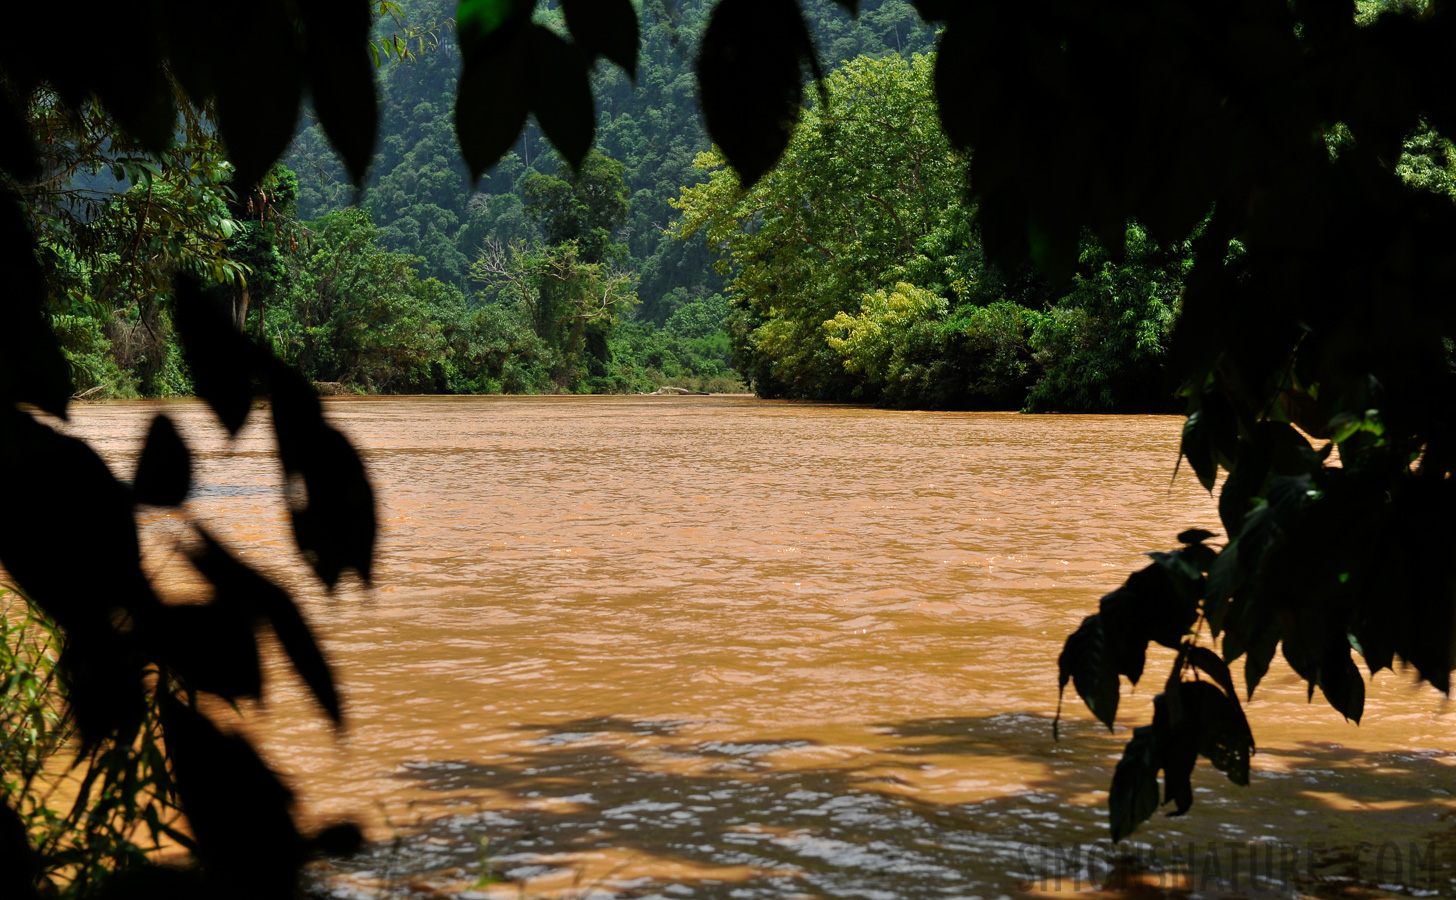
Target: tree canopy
column 1314, row 346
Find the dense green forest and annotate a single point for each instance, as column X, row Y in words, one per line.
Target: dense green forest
column 853, row 271
column 535, row 279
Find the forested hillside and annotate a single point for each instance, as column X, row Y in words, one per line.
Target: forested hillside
column 419, row 193
column 853, row 271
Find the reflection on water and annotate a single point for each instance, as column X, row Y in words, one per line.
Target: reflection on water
column 732, row 648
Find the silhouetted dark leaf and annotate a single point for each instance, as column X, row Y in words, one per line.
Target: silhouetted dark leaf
column 1200, row 556
column 19, row 865
column 1409, row 597
column 342, row 80
column 1125, row 628
column 1198, row 449
column 1342, row 685
column 211, row 646
column 561, row 96
column 1134, row 795
column 1167, row 595
column 1287, row 494
column 191, row 43
column 750, row 73
column 1206, row 661
column 240, row 587
column 1223, row 732
column 17, row 146
column 101, row 670
column 164, row 472
column 1304, row 645
column 1260, row 636
column 220, row 358
column 257, row 105
column 238, row 810
column 1243, row 484
column 32, row 368
column 55, row 482
column 494, row 97
column 1194, row 536
column 1289, row 452
column 1224, row 577
column 335, row 527
column 1177, row 744
column 605, row 28
column 1087, row 661
column 137, row 93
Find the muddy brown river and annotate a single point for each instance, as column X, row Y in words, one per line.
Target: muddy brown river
column 729, row 648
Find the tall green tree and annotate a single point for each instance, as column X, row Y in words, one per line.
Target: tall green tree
column 866, row 196
column 587, row 207
column 357, row 313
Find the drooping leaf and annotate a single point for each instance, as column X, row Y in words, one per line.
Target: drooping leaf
column 17, row 146
column 561, row 97
column 164, row 471
column 750, row 74
column 1245, row 482
column 1206, row 661
column 1224, row 577
column 1198, row 449
column 102, row 673
column 341, row 79
column 1342, row 685
column 211, row 646
column 1087, row 661
column 139, row 97
column 1223, row 735
column 1261, row 635
column 32, row 367
column 1167, row 595
column 1177, row 743
column 222, row 361
column 257, row 105
column 494, row 97
column 19, row 865
column 237, row 809
column 1134, row 795
column 57, row 481
column 606, row 28
column 335, row 528
column 1123, row 623
column 238, row 586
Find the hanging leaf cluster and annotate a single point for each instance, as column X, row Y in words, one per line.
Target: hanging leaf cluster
column 124, row 644
column 515, row 67
column 1315, row 342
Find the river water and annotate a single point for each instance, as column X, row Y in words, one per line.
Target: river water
column 724, row 647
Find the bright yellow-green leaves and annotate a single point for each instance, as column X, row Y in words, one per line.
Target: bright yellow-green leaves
column 868, row 341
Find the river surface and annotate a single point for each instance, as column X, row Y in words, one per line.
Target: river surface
column 724, row 647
